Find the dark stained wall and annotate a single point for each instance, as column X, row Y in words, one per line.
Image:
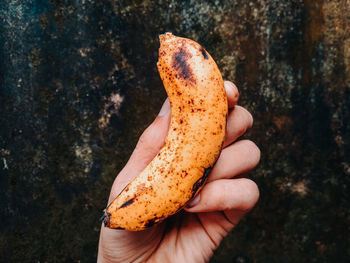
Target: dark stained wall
column 78, row 84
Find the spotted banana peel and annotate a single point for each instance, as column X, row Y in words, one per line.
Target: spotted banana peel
column 195, row 138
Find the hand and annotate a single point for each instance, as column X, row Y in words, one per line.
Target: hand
column 193, row 234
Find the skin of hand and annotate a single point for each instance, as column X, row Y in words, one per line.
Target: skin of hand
column 193, row 234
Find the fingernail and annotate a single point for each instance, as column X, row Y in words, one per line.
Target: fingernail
column 229, row 86
column 165, row 108
column 232, row 93
column 194, row 201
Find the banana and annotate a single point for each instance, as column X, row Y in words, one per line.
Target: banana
column 196, row 134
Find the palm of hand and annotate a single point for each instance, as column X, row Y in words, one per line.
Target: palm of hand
column 191, row 235
column 186, row 237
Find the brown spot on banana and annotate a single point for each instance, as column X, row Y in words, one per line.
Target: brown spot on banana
column 105, row 217
column 153, row 221
column 129, row 202
column 201, row 180
column 204, row 53
column 198, row 114
column 180, row 59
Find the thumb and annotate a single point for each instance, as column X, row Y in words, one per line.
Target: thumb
column 151, row 140
column 148, row 146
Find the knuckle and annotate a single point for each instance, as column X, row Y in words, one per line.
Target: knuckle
column 224, row 197
column 147, row 141
column 252, row 194
column 253, row 152
column 248, row 117
column 245, row 120
column 143, row 140
column 241, row 129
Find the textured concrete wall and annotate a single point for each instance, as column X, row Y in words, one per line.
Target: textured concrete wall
column 79, row 83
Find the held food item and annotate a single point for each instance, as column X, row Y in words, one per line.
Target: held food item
column 196, row 134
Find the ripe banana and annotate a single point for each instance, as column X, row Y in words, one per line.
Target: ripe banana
column 196, row 134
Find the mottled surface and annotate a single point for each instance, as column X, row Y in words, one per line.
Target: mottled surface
column 79, row 84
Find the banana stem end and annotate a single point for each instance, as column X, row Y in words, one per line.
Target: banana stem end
column 105, row 218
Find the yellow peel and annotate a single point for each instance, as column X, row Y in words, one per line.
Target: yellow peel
column 197, row 129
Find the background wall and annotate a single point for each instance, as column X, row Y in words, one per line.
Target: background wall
column 79, row 84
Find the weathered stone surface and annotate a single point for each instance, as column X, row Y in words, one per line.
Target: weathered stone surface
column 78, row 85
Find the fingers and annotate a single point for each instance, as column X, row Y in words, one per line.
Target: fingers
column 231, row 93
column 236, row 159
column 227, row 195
column 239, row 120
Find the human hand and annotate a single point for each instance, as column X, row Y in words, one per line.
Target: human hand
column 193, row 234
